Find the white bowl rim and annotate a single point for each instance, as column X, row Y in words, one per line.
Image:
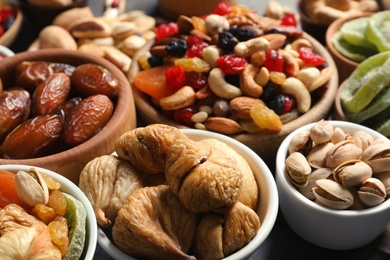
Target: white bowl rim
column 6, row 51
column 266, row 225
column 71, row 188
column 281, row 158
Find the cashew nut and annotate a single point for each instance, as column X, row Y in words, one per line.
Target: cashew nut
column 308, row 75
column 247, row 81
column 262, row 77
column 324, row 77
column 247, row 48
column 297, row 89
column 220, row 87
column 215, row 23
column 182, row 98
column 210, row 54
column 301, row 42
column 291, row 65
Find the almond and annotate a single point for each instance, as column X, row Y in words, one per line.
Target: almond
column 223, row 125
column 276, row 40
column 240, row 106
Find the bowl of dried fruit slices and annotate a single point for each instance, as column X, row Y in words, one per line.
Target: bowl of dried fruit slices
column 251, row 77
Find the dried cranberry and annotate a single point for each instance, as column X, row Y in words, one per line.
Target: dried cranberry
column 176, row 48
column 289, row 20
column 222, row 8
column 195, row 50
column 175, row 78
column 309, row 56
column 196, row 80
column 167, row 29
column 183, row 116
column 274, row 61
column 194, row 39
column 231, row 64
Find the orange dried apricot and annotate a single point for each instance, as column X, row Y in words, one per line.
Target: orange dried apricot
column 152, row 82
column 8, row 194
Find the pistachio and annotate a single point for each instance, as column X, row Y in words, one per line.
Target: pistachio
column 318, row 174
column 384, row 177
column 339, row 135
column 332, row 194
column 362, row 139
column 321, row 132
column 352, row 173
column 378, row 157
column 297, row 169
column 300, row 143
column 372, row 192
column 341, row 152
column 317, row 155
column 31, row 187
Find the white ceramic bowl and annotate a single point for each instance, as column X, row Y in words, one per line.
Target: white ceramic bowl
column 267, row 206
column 70, row 188
column 332, row 229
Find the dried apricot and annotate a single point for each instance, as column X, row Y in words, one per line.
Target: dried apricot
column 152, row 82
column 8, row 193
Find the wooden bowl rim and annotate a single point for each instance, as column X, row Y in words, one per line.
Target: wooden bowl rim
column 124, row 102
column 151, row 115
column 9, row 36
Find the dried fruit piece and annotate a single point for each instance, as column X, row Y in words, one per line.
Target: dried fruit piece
column 87, row 119
column 175, row 78
column 30, row 74
column 152, row 82
column 310, row 57
column 266, row 118
column 8, row 194
column 165, row 30
column 231, row 64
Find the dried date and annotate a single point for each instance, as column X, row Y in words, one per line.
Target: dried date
column 87, row 119
column 30, row 74
column 51, row 94
column 32, row 138
column 91, row 79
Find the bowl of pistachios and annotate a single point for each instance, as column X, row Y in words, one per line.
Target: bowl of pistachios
column 332, row 180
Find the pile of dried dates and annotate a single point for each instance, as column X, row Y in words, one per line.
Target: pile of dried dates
column 53, row 107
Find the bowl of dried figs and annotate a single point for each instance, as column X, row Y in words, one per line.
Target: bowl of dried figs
column 255, row 81
column 61, row 108
column 188, row 194
column 332, row 180
column 58, row 220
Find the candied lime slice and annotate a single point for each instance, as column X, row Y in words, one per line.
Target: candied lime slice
column 378, row 30
column 380, row 122
column 354, row 32
column 352, row 52
column 384, row 128
column 365, row 82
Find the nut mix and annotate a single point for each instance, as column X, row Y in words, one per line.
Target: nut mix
column 54, row 105
column 190, row 186
column 232, row 71
column 339, row 170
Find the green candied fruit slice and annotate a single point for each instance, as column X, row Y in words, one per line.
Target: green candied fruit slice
column 365, row 82
column 378, row 104
column 380, row 122
column 378, row 30
column 354, row 32
column 352, row 52
column 384, row 128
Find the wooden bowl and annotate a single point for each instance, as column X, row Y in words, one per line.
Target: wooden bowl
column 41, row 16
column 264, row 144
column 344, row 65
column 9, row 36
column 174, row 8
column 69, row 163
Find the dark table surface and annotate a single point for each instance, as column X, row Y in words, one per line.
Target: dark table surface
column 282, row 242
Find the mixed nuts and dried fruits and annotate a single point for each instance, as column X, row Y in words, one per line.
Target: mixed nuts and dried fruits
column 232, row 71
column 38, row 220
column 8, row 14
column 51, row 107
column 162, row 191
column 339, row 170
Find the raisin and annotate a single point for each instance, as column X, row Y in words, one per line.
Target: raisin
column 242, row 34
column 183, row 116
column 176, row 48
column 226, row 41
column 231, row 64
column 265, row 118
column 175, row 78
column 155, row 61
column 270, row 91
column 233, row 80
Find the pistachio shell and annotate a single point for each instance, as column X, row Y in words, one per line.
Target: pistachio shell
column 321, row 132
column 341, row 152
column 317, row 155
column 384, row 177
column 318, row 174
column 297, row 169
column 339, row 135
column 301, row 142
column 362, row 139
column 378, row 157
column 30, row 190
column 352, row 173
column 372, row 192
column 332, row 194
